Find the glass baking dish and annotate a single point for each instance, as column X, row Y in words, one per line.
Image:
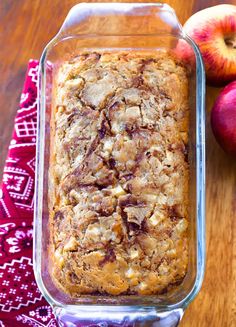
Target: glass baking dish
column 129, row 26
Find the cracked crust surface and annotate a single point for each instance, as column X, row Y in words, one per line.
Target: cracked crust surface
column 119, row 174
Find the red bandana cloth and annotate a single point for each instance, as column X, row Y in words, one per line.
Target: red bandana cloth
column 21, row 303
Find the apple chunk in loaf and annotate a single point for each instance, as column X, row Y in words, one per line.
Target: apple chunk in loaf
column 119, row 174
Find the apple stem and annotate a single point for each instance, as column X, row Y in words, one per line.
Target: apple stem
column 231, row 42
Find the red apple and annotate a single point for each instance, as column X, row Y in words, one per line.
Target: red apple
column 214, row 31
column 223, row 118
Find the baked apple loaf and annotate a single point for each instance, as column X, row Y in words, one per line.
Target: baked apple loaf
column 119, row 174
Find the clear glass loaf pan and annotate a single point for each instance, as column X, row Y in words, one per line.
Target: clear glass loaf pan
column 127, row 26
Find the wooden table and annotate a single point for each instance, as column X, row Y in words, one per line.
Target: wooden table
column 26, row 27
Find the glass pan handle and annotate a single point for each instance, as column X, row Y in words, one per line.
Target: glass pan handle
column 120, row 19
column 77, row 317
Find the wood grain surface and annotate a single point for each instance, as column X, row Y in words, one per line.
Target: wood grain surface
column 25, row 28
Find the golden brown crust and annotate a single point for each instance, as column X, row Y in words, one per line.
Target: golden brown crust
column 119, row 174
